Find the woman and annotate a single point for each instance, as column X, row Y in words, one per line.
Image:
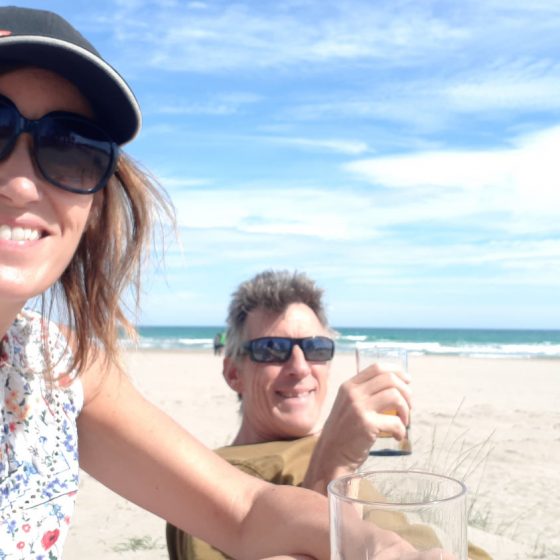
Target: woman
column 75, row 219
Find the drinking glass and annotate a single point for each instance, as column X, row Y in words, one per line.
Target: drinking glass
column 426, row 510
column 387, row 357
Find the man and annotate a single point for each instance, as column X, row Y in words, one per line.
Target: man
column 283, row 400
column 277, row 357
column 219, row 343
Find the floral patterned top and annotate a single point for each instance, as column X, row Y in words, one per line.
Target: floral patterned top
column 39, row 471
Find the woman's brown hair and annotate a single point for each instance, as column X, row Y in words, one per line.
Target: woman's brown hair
column 108, row 263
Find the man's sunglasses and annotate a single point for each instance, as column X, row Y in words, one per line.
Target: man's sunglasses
column 270, row 349
column 70, row 151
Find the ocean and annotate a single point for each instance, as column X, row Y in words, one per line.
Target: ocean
column 460, row 342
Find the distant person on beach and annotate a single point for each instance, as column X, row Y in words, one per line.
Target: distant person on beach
column 277, row 358
column 219, row 343
column 76, row 222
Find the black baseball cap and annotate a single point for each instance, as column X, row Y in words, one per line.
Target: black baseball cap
column 44, row 39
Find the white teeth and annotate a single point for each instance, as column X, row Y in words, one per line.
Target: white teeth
column 18, row 233
column 295, row 395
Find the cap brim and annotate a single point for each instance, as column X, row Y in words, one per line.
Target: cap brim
column 112, row 100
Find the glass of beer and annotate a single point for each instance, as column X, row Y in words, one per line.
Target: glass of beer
column 386, row 357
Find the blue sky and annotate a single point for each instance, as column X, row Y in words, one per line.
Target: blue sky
column 406, row 155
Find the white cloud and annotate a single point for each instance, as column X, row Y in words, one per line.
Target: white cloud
column 388, row 262
column 443, row 169
column 349, row 147
column 503, row 204
column 513, row 191
column 522, row 180
column 308, row 212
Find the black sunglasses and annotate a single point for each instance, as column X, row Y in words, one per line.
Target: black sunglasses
column 70, row 151
column 269, row 349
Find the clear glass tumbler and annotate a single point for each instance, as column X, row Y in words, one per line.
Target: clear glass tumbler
column 368, row 354
column 426, row 510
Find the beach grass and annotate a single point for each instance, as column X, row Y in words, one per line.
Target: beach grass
column 139, row 543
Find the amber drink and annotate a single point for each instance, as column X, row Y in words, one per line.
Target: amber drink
column 387, row 357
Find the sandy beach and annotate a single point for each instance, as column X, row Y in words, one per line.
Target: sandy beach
column 493, row 422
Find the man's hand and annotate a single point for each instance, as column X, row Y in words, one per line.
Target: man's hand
column 355, row 421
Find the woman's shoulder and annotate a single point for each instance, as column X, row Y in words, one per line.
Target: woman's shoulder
column 37, row 348
column 43, row 341
column 16, row 342
column 29, row 326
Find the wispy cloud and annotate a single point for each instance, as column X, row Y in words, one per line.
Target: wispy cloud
column 225, row 36
column 514, row 190
column 477, row 58
column 207, row 37
column 435, row 102
column 177, row 184
column 265, row 210
column 222, row 104
column 521, row 181
column 514, row 84
column 348, row 147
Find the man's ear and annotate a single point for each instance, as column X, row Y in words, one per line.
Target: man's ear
column 232, row 375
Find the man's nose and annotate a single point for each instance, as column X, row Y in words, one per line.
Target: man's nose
column 297, row 364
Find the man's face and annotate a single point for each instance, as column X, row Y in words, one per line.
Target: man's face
column 281, row 400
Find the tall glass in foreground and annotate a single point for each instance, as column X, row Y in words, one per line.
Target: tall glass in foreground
column 426, row 510
column 387, row 357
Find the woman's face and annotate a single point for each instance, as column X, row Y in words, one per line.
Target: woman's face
column 40, row 224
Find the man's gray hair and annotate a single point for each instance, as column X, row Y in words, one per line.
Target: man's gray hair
column 274, row 291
